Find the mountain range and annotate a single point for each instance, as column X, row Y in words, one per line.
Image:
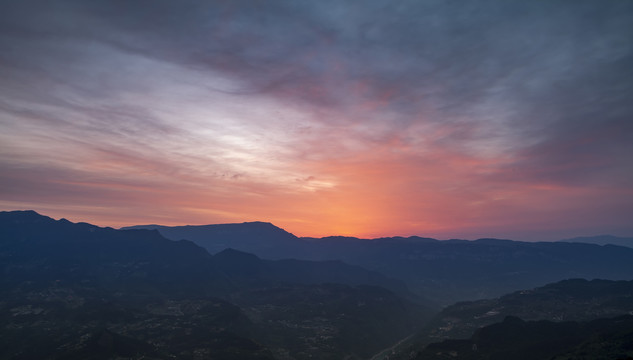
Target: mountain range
column 70, row 288
column 443, row 271
column 79, row 291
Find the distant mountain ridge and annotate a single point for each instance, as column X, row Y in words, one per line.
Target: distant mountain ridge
column 602, row 240
column 247, row 236
column 444, row 270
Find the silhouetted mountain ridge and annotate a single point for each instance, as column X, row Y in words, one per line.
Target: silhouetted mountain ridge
column 63, row 283
column 215, row 238
column 603, row 240
column 38, row 247
column 446, row 270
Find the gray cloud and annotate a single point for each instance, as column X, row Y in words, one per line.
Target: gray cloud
column 546, row 83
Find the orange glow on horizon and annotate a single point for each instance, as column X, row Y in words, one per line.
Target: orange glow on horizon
column 372, row 193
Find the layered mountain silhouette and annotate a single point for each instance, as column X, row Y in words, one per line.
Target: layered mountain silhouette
column 79, row 291
column 261, row 238
column 75, row 290
column 445, row 271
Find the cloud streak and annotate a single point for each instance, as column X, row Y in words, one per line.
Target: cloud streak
column 370, row 118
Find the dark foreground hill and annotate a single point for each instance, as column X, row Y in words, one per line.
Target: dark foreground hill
column 570, row 300
column 78, row 291
column 541, row 340
column 446, row 271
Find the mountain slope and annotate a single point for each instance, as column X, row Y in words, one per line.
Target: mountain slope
column 39, row 249
column 568, row 300
column 575, row 299
column 254, row 272
column 318, row 321
column 540, row 340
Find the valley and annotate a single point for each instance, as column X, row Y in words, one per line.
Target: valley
column 79, row 291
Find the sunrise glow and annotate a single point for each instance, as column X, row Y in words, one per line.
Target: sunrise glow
column 323, row 119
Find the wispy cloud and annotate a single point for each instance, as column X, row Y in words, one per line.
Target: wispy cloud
column 431, row 117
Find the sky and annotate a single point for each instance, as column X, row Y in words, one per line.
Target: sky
column 438, row 118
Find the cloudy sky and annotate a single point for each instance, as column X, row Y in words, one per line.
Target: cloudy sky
column 438, row 118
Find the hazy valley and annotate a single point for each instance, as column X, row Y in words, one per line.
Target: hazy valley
column 254, row 291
